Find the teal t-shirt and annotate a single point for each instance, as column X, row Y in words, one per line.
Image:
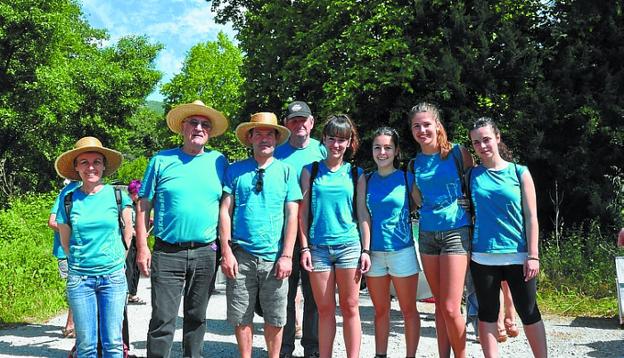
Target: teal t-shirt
column 387, row 201
column 95, row 246
column 300, row 157
column 333, row 219
column 57, row 249
column 258, row 217
column 440, row 187
column 499, row 225
column 185, row 191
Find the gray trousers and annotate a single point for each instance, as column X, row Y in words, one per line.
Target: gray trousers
column 309, row 341
column 176, row 271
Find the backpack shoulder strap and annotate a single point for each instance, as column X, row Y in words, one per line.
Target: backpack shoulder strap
column 469, row 192
column 354, row 178
column 459, row 166
column 122, row 225
column 68, row 202
column 313, row 174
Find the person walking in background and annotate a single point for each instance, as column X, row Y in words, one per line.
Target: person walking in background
column 505, row 241
column 184, row 186
column 300, row 150
column 257, row 229
column 132, row 269
column 91, row 235
column 59, row 253
column 339, row 253
column 444, row 241
column 620, row 239
column 393, row 256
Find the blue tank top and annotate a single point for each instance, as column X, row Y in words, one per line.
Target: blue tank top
column 440, row 186
column 333, row 219
column 499, row 225
column 387, row 200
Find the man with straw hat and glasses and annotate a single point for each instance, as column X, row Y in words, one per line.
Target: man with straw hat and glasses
column 89, row 224
column 258, row 227
column 183, row 185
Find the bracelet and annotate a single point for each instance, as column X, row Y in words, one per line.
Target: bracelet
column 366, row 251
column 304, row 249
column 286, row 256
column 532, row 258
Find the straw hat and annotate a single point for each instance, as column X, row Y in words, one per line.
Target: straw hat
column 262, row 120
column 64, row 164
column 197, row 108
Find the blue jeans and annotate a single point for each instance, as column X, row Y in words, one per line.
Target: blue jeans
column 98, row 303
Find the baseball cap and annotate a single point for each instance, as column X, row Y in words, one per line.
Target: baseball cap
column 298, row 109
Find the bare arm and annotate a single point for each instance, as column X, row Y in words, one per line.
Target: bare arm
column 144, row 257
column 304, row 207
column 529, row 206
column 52, row 222
column 467, row 158
column 65, row 233
column 364, row 222
column 284, row 263
column 229, row 265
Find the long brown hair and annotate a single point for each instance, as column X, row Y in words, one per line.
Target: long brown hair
column 441, row 139
column 503, row 150
column 340, row 125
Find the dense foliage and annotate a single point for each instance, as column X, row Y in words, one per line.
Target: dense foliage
column 549, row 72
column 59, row 83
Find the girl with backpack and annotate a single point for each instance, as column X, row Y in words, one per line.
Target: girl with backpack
column 91, row 235
column 444, row 236
column 393, row 257
column 334, row 223
column 505, row 241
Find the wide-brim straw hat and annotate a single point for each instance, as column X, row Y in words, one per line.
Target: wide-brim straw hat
column 261, row 120
column 64, row 164
column 197, row 108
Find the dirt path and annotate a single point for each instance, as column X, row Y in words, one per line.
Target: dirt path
column 567, row 337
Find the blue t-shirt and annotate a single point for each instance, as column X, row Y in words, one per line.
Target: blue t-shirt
column 499, row 225
column 300, row 157
column 258, row 217
column 333, row 219
column 387, row 200
column 185, row 191
column 95, row 246
column 57, row 249
column 440, row 187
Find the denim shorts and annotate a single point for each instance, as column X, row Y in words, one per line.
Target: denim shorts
column 256, row 281
column 342, row 256
column 451, row 242
column 401, row 263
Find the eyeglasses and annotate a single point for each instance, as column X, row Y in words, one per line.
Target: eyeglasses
column 195, row 122
column 260, row 181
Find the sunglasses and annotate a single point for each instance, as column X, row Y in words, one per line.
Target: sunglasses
column 260, row 181
column 195, row 122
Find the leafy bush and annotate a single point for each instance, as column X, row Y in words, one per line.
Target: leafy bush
column 131, row 169
column 578, row 271
column 30, row 287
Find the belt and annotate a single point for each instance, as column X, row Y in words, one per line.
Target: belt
column 183, row 245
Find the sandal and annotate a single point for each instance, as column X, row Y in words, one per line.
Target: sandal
column 502, row 335
column 136, row 300
column 68, row 333
column 511, row 329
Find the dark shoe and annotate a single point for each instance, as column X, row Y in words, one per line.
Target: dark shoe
column 313, row 355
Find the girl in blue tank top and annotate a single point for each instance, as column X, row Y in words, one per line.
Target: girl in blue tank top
column 444, row 223
column 339, row 238
column 505, row 241
column 393, row 257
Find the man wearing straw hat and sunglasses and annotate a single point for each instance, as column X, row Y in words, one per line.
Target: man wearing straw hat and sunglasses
column 183, row 185
column 257, row 229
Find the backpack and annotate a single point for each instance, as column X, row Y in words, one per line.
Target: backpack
column 68, row 202
column 354, row 178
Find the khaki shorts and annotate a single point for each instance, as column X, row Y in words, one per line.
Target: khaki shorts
column 255, row 279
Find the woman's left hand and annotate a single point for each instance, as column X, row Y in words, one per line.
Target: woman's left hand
column 531, row 269
column 365, row 262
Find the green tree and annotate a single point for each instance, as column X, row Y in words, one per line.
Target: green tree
column 57, row 83
column 211, row 73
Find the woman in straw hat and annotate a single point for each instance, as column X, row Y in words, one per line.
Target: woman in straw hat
column 92, row 239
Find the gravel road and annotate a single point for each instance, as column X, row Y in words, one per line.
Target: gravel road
column 567, row 336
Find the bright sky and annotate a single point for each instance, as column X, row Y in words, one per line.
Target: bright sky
column 177, row 24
